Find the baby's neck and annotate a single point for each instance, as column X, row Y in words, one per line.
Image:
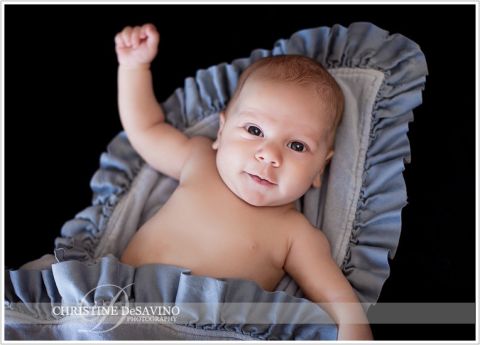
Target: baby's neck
column 279, row 209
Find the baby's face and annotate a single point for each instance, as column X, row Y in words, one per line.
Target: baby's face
column 272, row 146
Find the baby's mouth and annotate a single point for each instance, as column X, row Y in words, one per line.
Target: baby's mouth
column 261, row 181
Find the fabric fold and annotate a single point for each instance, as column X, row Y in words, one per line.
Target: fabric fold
column 202, row 302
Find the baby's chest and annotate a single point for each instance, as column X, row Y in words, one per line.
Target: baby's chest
column 209, row 225
column 226, row 225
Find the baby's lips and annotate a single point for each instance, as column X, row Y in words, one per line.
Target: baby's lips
column 261, row 179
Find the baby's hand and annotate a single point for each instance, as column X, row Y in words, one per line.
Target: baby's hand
column 137, row 46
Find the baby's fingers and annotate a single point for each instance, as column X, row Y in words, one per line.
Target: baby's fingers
column 149, row 31
column 135, row 37
column 123, row 38
column 119, row 42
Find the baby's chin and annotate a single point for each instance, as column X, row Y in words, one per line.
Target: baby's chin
column 261, row 200
column 259, row 203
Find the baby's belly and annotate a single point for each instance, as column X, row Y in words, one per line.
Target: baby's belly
column 213, row 251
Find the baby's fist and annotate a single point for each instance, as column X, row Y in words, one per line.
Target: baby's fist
column 137, row 46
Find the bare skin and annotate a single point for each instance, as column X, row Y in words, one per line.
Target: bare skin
column 251, row 242
column 233, row 214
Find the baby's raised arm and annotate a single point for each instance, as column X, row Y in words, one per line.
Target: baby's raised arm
column 162, row 146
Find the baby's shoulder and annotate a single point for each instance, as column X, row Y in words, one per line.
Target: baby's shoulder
column 300, row 228
column 200, row 144
column 296, row 220
column 200, row 159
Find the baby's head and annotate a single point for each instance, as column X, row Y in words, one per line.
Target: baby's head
column 277, row 133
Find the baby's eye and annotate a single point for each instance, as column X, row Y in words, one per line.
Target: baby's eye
column 253, row 130
column 297, row 146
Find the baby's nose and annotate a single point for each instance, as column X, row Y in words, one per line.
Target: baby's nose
column 268, row 154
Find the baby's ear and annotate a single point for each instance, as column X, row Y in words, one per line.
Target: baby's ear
column 317, row 181
column 220, row 129
column 329, row 157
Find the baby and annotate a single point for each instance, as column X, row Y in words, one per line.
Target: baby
column 233, row 213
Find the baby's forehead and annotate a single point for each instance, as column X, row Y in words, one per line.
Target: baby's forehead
column 319, row 99
column 321, row 93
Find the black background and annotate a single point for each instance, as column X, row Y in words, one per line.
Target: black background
column 61, row 112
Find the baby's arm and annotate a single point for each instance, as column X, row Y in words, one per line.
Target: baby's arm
column 161, row 145
column 310, row 264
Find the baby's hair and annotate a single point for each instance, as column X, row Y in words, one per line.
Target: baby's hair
column 297, row 69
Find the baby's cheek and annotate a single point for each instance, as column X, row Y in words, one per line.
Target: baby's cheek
column 236, row 150
column 227, row 158
column 302, row 180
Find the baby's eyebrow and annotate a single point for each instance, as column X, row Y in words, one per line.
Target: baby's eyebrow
column 311, row 135
column 250, row 112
